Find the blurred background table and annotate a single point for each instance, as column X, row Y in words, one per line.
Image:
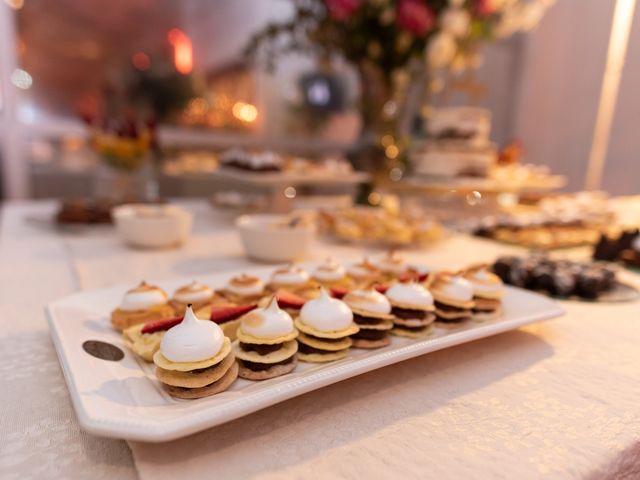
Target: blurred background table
column 556, row 400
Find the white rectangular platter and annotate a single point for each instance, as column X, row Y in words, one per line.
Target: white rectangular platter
column 124, row 399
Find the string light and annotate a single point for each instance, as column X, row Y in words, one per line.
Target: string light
column 182, row 50
column 244, row 112
column 21, row 79
column 391, row 151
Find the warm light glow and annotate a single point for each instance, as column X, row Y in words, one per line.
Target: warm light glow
column 616, row 55
column 245, row 112
column 182, row 50
column 386, row 140
column 374, row 198
column 141, row 61
column 15, row 4
column 21, row 79
column 391, row 151
column 290, row 192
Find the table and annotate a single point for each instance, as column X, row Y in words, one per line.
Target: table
column 555, row 400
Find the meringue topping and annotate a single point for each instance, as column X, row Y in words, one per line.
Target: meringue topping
column 483, row 281
column 290, row 275
column 410, row 294
column 454, row 287
column 368, row 300
column 326, row 314
column 268, row 322
column 329, row 271
column 245, row 285
column 142, row 297
column 364, row 269
column 392, row 263
column 192, row 340
column 195, row 292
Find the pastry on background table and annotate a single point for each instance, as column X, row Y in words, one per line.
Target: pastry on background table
column 141, row 304
column 453, row 297
column 195, row 359
column 488, row 290
column 372, row 314
column 325, row 325
column 266, row 344
column 244, row 289
column 392, row 264
column 194, row 293
column 412, row 309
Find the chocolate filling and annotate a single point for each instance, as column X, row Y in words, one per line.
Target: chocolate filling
column 362, row 320
column 328, row 340
column 302, row 348
column 258, row 367
column 452, row 320
column 370, row 334
column 483, row 310
column 261, row 349
column 408, row 314
column 449, row 308
column 412, row 329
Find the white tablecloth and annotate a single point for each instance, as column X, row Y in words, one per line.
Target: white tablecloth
column 556, row 400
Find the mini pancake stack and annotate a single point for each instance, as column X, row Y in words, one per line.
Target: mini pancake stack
column 372, row 314
column 412, row 309
column 325, row 326
column 266, row 343
column 142, row 304
column 195, row 359
column 488, row 291
column 453, row 298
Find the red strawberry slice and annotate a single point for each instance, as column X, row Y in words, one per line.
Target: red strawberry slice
column 160, row 325
column 338, row 292
column 289, row 300
column 413, row 276
column 226, row 313
column 381, row 288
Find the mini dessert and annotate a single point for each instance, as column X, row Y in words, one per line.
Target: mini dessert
column 331, row 274
column 372, row 314
column 294, row 280
column 142, row 304
column 392, row 265
column 144, row 339
column 195, row 293
column 488, row 291
column 412, row 309
column 364, row 273
column 195, row 359
column 266, row 346
column 227, row 315
column 325, row 326
column 453, row 298
column 244, row 289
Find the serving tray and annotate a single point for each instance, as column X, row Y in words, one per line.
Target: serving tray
column 123, row 399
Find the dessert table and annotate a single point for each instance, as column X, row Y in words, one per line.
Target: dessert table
column 554, row 400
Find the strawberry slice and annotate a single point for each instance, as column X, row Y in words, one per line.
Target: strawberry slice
column 413, row 276
column 226, row 313
column 338, row 292
column 381, row 288
column 289, row 300
column 160, row 325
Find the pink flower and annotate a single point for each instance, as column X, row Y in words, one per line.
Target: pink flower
column 415, row 16
column 342, row 9
column 484, row 7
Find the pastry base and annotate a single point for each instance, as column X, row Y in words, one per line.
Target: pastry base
column 271, row 372
column 216, row 387
column 196, row 380
column 371, row 344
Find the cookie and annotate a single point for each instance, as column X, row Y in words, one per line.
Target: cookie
column 451, row 301
column 286, row 351
column 341, row 344
column 484, row 316
column 271, row 372
column 246, row 338
column 198, row 379
column 376, row 326
column 408, row 306
column 216, row 387
column 162, row 362
column 364, row 313
column 322, row 357
column 414, row 322
column 413, row 333
column 303, row 327
column 370, row 344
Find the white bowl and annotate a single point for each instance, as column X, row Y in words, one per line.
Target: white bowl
column 263, row 240
column 152, row 226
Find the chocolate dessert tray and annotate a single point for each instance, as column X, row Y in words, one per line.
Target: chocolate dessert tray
column 116, row 394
